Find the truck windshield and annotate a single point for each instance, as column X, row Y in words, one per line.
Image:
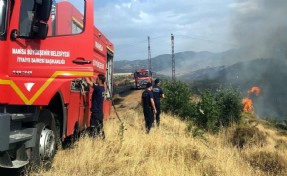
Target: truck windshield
column 3, row 16
column 143, row 74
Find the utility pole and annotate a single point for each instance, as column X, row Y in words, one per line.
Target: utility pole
column 149, row 55
column 172, row 57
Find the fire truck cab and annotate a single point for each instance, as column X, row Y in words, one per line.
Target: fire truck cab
column 47, row 48
column 142, row 77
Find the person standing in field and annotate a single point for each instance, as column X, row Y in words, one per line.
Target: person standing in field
column 148, row 107
column 97, row 115
column 157, row 95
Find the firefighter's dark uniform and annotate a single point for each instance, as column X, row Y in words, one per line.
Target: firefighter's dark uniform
column 157, row 94
column 147, row 95
column 97, row 116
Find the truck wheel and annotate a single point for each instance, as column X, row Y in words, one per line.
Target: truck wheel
column 45, row 144
column 58, row 133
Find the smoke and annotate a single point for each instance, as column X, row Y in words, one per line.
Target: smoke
column 260, row 28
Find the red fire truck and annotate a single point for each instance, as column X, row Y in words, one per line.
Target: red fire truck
column 142, row 77
column 46, row 49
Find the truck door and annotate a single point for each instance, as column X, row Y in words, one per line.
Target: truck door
column 109, row 83
column 67, row 52
column 78, row 108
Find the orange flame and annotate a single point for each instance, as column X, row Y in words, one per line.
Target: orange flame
column 247, row 102
column 247, row 105
column 255, row 90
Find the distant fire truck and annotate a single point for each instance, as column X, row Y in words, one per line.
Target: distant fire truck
column 46, row 49
column 142, row 77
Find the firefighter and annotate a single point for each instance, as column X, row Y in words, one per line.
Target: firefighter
column 157, row 94
column 148, row 107
column 97, row 115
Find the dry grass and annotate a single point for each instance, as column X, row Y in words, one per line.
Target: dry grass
column 166, row 151
column 270, row 163
column 247, row 136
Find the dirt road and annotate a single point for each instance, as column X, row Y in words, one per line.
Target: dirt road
column 127, row 100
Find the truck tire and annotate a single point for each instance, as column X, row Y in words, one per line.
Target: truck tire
column 46, row 140
column 77, row 133
column 58, row 133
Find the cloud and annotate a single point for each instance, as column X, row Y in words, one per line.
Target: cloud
column 128, row 23
column 245, row 7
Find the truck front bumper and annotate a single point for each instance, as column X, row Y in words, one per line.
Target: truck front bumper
column 4, row 131
column 14, row 140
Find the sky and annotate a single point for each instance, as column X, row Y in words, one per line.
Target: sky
column 197, row 25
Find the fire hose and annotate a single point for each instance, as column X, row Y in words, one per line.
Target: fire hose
column 122, row 126
column 113, row 104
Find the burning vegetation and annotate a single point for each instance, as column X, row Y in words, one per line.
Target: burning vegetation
column 247, row 102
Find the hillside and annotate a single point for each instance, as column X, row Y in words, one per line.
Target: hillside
column 171, row 150
column 186, row 62
column 268, row 74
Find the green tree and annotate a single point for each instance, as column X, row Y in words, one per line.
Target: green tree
column 177, row 98
column 230, row 106
column 213, row 111
column 208, row 118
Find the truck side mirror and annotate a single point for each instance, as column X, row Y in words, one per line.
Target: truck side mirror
column 43, row 9
column 33, row 20
column 42, row 15
column 40, row 30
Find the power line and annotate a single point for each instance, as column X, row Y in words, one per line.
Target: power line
column 180, row 36
column 138, row 42
column 207, row 40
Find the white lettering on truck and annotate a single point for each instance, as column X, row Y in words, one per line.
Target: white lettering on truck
column 18, row 51
column 98, row 64
column 99, row 46
column 36, row 56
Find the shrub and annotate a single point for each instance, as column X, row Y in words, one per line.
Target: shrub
column 208, row 118
column 189, row 111
column 213, row 111
column 177, row 98
column 195, row 131
column 247, row 136
column 270, row 163
column 219, row 109
column 229, row 105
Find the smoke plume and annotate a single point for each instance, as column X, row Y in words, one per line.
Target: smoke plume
column 260, row 28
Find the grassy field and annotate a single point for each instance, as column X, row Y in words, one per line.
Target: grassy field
column 171, row 151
